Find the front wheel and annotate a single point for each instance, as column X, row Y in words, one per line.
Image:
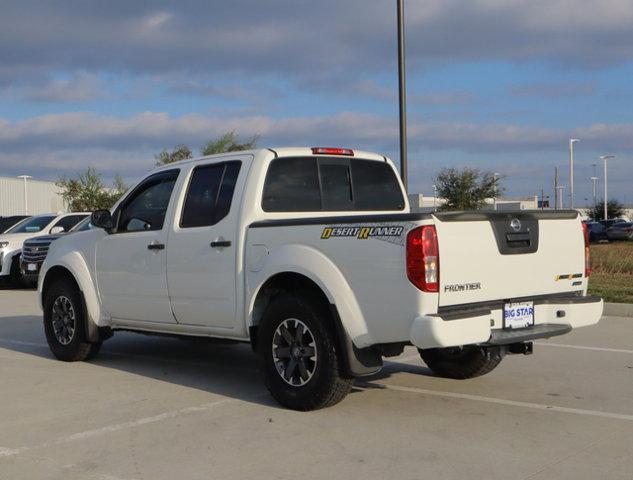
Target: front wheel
column 16, row 279
column 298, row 357
column 462, row 362
column 64, row 323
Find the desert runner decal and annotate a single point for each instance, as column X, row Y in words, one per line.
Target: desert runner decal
column 395, row 234
column 362, row 233
column 568, row 276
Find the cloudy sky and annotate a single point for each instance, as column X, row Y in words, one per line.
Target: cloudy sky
column 496, row 84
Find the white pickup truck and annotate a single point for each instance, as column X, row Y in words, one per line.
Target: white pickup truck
column 313, row 256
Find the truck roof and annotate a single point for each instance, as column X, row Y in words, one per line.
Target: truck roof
column 280, row 152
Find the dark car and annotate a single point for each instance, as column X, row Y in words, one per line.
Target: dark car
column 7, row 222
column 621, row 231
column 609, row 223
column 597, row 232
column 34, row 251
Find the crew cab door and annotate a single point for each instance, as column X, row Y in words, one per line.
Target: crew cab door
column 203, row 246
column 131, row 262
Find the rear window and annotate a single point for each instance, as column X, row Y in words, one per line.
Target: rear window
column 209, row 194
column 310, row 184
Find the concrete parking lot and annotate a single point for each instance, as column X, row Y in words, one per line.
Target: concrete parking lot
column 161, row 408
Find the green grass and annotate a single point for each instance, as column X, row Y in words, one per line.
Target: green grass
column 612, row 276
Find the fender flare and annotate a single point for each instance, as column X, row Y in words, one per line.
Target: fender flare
column 313, row 264
column 74, row 263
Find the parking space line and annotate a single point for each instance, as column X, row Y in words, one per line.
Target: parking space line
column 498, row 401
column 581, row 347
column 7, row 452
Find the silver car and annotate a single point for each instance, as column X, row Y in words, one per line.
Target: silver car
column 621, row 231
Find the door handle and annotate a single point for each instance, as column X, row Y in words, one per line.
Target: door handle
column 221, row 243
column 156, row 246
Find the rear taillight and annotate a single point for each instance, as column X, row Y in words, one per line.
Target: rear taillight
column 585, row 234
column 423, row 258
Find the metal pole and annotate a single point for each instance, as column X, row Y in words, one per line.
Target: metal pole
column 26, row 201
column 402, row 90
column 605, row 188
column 571, row 173
column 593, row 193
column 434, row 197
column 26, row 205
column 556, row 188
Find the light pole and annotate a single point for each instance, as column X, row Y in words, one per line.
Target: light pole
column 593, row 192
column 604, row 158
column 434, row 197
column 402, row 94
column 571, row 171
column 26, row 204
column 494, row 199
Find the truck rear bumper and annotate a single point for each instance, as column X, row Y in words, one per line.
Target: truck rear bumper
column 552, row 316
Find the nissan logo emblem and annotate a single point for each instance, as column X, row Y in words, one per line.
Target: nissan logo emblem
column 515, row 224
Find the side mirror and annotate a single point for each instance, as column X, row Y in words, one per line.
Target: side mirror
column 102, row 219
column 57, row 230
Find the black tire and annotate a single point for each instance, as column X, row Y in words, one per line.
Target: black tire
column 325, row 384
column 63, row 299
column 462, row 362
column 16, row 280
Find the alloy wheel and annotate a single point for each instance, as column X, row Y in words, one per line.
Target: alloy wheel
column 64, row 320
column 294, row 352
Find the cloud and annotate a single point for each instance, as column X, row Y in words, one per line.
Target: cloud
column 291, row 39
column 49, row 146
column 156, row 130
column 554, row 90
column 78, row 88
column 155, row 20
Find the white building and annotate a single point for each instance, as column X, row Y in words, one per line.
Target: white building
column 425, row 203
column 32, row 197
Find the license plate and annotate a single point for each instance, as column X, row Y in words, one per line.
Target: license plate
column 32, row 267
column 518, row 315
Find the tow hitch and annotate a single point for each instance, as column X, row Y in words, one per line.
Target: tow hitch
column 525, row 348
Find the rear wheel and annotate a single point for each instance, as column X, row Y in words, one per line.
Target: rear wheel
column 462, row 362
column 297, row 355
column 64, row 323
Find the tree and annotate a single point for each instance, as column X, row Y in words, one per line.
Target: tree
column 614, row 210
column 466, row 189
column 180, row 152
column 228, row 143
column 87, row 192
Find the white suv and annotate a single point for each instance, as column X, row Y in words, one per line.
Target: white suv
column 12, row 240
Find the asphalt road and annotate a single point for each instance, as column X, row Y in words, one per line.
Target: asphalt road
column 160, row 408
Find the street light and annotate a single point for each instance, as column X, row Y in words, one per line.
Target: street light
column 604, row 158
column 402, row 95
column 26, row 205
column 571, row 170
column 494, row 199
column 593, row 192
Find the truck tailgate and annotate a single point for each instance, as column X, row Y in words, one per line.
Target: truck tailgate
column 488, row 256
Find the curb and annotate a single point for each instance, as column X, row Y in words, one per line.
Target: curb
column 618, row 309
